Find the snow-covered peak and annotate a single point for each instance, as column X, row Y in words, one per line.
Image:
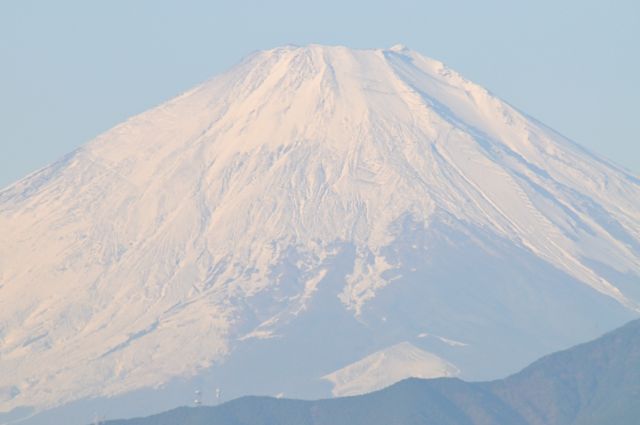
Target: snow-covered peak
column 399, row 48
column 249, row 186
column 342, row 135
column 386, row 367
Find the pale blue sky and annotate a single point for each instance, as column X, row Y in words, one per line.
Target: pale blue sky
column 72, row 69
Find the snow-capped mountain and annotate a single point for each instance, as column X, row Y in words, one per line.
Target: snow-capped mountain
column 299, row 213
column 386, row 367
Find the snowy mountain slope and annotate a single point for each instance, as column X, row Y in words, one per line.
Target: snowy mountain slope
column 386, row 367
column 314, row 182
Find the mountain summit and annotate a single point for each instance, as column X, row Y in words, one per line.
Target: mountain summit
column 290, row 218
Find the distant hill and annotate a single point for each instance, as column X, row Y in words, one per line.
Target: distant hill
column 593, row 383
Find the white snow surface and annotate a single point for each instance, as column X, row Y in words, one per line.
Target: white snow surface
column 123, row 265
column 386, row 367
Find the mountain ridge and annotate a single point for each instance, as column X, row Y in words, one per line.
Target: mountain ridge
column 558, row 389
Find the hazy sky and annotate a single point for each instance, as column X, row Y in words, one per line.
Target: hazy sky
column 72, row 69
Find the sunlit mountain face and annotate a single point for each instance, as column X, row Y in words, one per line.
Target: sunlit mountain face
column 316, row 221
